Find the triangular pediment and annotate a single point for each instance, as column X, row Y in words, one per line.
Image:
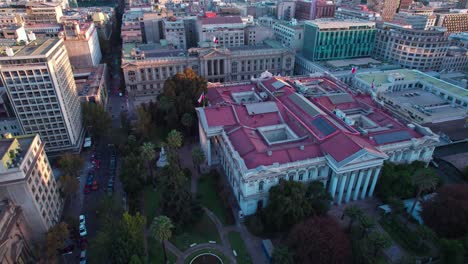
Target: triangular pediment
column 359, row 158
column 214, row 53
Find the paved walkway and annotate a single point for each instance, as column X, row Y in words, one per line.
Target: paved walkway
column 393, row 253
column 252, row 243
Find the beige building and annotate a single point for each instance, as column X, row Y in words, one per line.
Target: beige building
column 92, row 84
column 43, row 12
column 174, row 32
column 146, row 70
column 82, row 43
column 26, row 179
column 15, row 235
column 39, row 82
column 228, row 31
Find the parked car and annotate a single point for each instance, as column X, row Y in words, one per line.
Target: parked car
column 83, row 243
column 83, row 232
column 82, row 220
column 83, row 257
column 94, row 187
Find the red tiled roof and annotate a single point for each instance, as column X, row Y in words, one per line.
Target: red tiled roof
column 342, row 142
column 220, row 20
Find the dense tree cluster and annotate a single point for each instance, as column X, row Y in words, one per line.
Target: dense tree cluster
column 96, row 119
column 397, row 180
column 447, row 212
column 290, row 202
column 319, row 240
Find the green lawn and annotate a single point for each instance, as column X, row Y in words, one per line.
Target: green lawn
column 202, row 232
column 152, row 199
column 238, row 245
column 210, row 198
column 212, row 251
column 156, row 254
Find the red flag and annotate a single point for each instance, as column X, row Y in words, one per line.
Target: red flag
column 202, row 96
column 353, row 70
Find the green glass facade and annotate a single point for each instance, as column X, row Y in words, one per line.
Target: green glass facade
column 338, row 43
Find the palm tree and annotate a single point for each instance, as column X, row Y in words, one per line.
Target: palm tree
column 353, row 212
column 366, row 223
column 424, row 180
column 379, row 241
column 187, row 120
column 198, row 157
column 161, row 229
column 174, row 139
column 147, row 153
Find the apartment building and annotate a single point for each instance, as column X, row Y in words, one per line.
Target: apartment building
column 411, row 48
column 43, row 12
column 174, row 32
column 27, row 180
column 455, row 21
column 356, row 12
column 331, row 39
column 39, row 82
column 386, row 8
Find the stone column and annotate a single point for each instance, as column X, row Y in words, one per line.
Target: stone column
column 344, row 177
column 314, row 173
column 374, row 182
column 366, row 184
column 358, row 185
column 350, row 186
column 334, row 182
column 208, row 151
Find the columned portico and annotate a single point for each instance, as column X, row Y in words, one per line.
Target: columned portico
column 344, row 177
column 350, row 186
column 358, row 185
column 334, row 183
column 366, row 183
column 374, row 181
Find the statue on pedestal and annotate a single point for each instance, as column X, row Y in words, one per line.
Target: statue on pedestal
column 162, row 161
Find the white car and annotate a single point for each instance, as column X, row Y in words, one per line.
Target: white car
column 83, row 231
column 82, row 220
column 83, row 257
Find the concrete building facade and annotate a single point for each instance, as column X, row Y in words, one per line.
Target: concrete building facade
column 174, row 32
column 356, row 12
column 15, row 236
column 455, row 21
column 411, row 48
column 303, row 129
column 27, row 180
column 338, row 39
column 228, row 31
column 290, row 34
column 43, row 12
column 144, row 77
column 82, row 43
column 39, row 82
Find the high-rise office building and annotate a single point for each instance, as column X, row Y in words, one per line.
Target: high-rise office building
column 338, row 39
column 455, row 21
column 27, row 180
column 411, row 48
column 82, row 43
column 39, row 82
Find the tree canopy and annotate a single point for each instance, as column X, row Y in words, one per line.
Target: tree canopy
column 70, row 164
column 291, row 202
column 447, row 212
column 96, row 118
column 55, row 240
column 179, row 98
column 129, row 238
column 396, row 181
column 319, row 240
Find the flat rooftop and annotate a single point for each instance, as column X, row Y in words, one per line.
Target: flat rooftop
column 39, row 47
column 340, row 23
column 381, row 78
column 349, row 62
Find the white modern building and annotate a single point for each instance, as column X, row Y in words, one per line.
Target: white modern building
column 227, row 31
column 290, row 34
column 415, row 96
column 303, row 129
column 26, row 179
column 39, row 82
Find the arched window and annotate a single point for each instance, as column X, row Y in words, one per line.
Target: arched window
column 291, row 177
column 301, row 176
column 260, row 185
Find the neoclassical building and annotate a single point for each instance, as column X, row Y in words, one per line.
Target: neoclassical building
column 146, row 67
column 303, row 129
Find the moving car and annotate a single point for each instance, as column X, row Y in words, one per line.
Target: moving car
column 83, row 257
column 82, row 220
